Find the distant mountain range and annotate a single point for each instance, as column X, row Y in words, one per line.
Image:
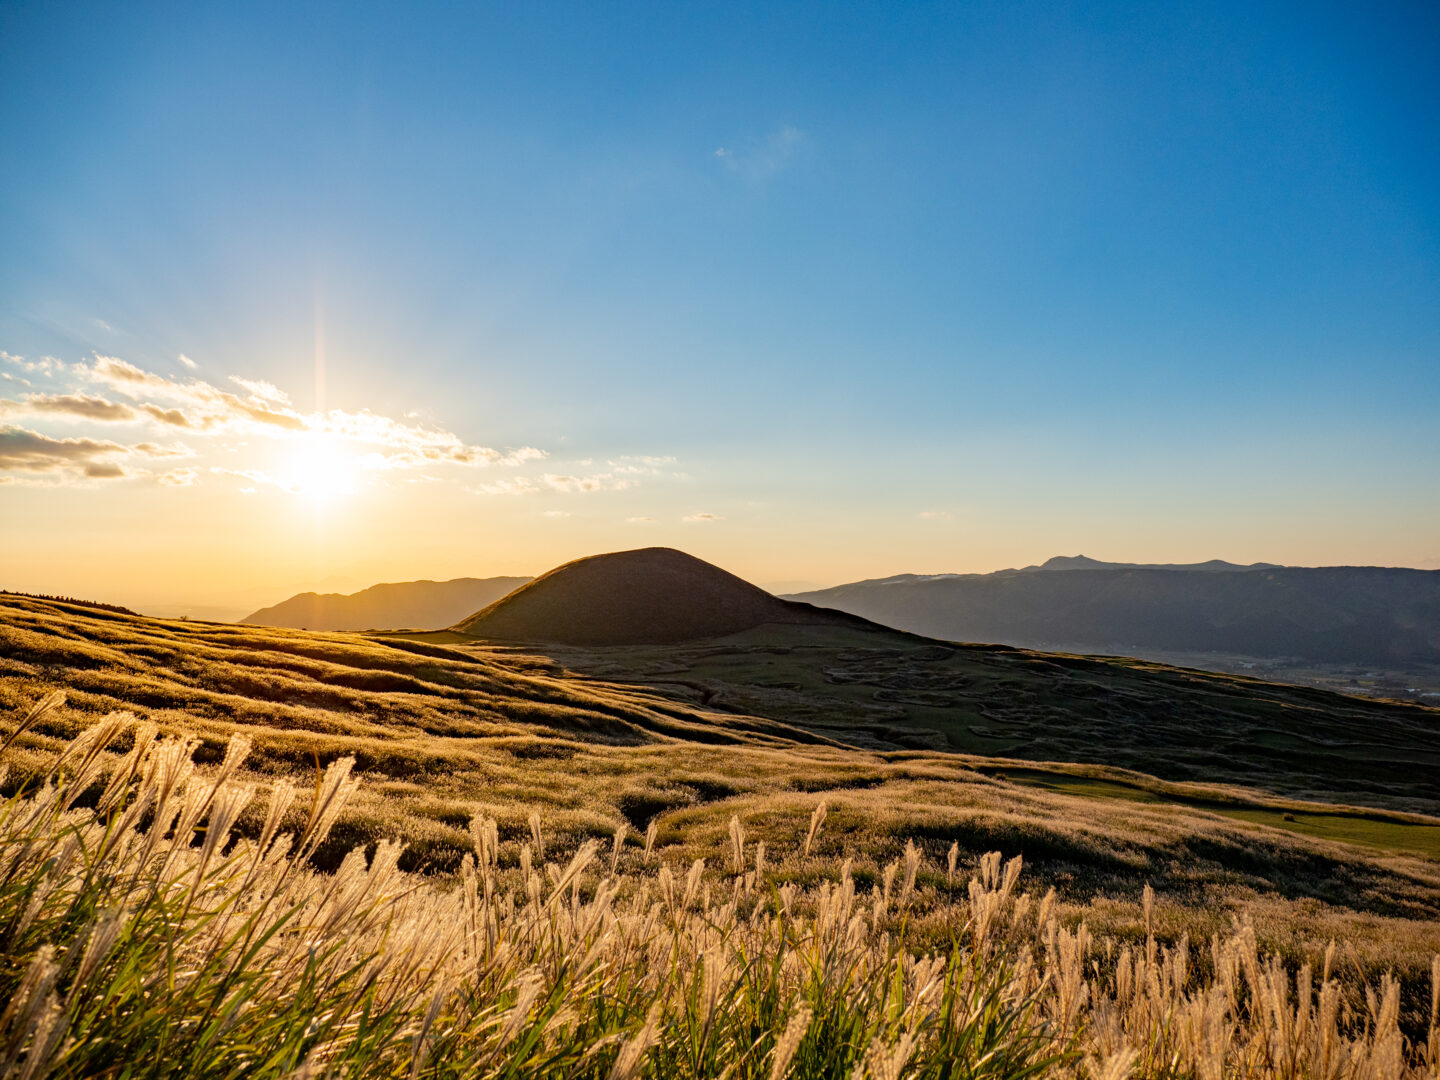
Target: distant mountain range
column 1342, row 614
column 415, row 605
column 1347, row 615
column 650, row 596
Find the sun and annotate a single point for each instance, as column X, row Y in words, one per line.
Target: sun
column 319, row 470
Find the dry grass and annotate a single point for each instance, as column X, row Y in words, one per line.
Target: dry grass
column 136, row 926
column 442, row 735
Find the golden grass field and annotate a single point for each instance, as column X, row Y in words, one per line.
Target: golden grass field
column 599, row 746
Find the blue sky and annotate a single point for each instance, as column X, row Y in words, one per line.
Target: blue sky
column 1141, row 280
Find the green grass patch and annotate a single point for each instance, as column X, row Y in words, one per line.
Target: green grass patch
column 1347, row 828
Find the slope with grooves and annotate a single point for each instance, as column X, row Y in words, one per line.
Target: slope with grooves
column 650, row 596
column 895, row 692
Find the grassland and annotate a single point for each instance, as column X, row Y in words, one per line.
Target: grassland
column 906, row 692
column 443, row 730
column 140, row 936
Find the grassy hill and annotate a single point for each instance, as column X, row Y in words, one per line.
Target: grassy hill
column 424, row 605
column 442, row 731
column 1346, row 614
column 650, row 596
column 891, row 692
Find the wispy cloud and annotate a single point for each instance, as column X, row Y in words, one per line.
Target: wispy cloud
column 47, row 365
column 201, row 409
column 935, row 515
column 760, row 159
column 265, row 391
column 150, row 449
column 702, row 517
column 520, row 485
column 564, row 483
column 598, row 482
column 81, row 406
column 556, row 515
column 179, row 478
column 639, row 521
column 228, row 423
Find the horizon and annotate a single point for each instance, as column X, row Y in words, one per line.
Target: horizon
column 301, row 300
column 222, row 612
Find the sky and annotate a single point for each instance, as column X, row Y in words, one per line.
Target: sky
column 312, row 296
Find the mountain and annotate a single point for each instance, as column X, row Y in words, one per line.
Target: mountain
column 419, row 605
column 650, row 596
column 1340, row 614
column 1084, row 562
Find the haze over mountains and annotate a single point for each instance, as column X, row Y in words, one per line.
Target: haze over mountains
column 1339, row 614
column 419, row 605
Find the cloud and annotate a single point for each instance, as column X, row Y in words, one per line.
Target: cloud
column 29, row 451
column 255, row 476
column 265, row 391
column 936, row 515
column 522, row 485
column 81, row 406
column 761, row 159
column 556, row 514
column 106, row 470
column 212, row 408
column 637, row 465
column 57, row 461
column 150, row 449
column 639, row 520
column 702, row 517
column 173, row 417
column 564, row 483
column 266, row 410
column 598, row 482
column 179, row 478
column 518, row 486
column 235, row 416
column 45, row 366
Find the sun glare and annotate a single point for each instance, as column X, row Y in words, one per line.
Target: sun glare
column 320, row 471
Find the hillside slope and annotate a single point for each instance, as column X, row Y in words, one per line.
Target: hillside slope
column 446, row 731
column 419, row 605
column 649, row 596
column 1346, row 614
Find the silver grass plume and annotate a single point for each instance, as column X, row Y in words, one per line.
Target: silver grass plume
column 816, row 820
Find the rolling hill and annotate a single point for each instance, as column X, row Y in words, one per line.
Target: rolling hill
column 644, row 813
column 444, row 727
column 649, row 596
column 420, row 605
column 1338, row 615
